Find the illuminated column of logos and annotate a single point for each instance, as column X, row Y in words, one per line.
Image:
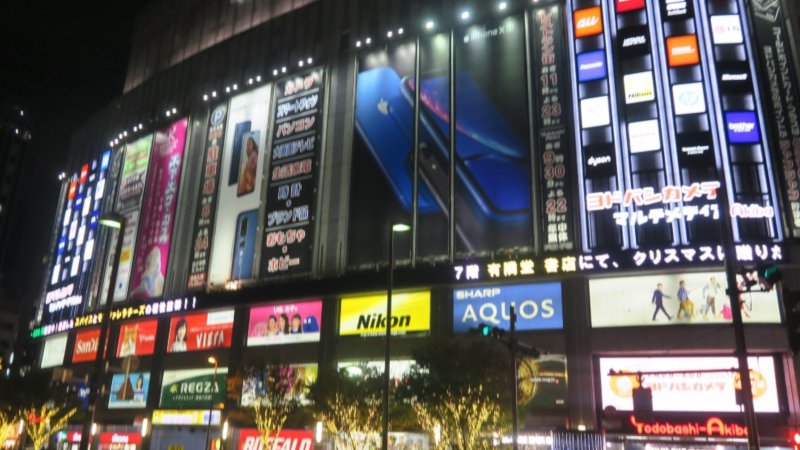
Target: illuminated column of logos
column 648, row 168
column 600, row 163
column 751, row 189
column 691, row 126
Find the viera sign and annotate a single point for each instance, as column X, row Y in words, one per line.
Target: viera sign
column 366, row 315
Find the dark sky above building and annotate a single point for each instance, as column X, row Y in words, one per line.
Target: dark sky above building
column 60, row 62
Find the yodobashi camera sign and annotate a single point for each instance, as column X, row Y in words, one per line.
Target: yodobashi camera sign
column 538, row 306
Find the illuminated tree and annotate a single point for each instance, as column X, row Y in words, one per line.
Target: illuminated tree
column 277, row 392
column 44, row 421
column 7, row 424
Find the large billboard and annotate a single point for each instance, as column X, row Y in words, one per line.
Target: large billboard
column 296, row 142
column 86, row 344
column 158, row 212
column 201, row 331
column 255, row 386
column 538, row 306
column 709, row 391
column 207, row 201
column 285, row 323
column 129, row 390
column 137, row 338
column 193, row 388
column 53, row 351
column 675, row 299
column 236, row 237
column 366, row 315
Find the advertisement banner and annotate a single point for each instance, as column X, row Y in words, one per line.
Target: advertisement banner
column 86, row 344
column 53, row 351
column 158, row 213
column 207, row 201
column 130, row 195
column 675, row 299
column 782, row 97
column 366, row 315
column 542, row 383
column 202, row 331
column 185, row 417
column 552, row 123
column 538, row 307
column 709, row 391
column 250, row 439
column 114, row 438
column 129, row 390
column 193, row 388
column 285, row 323
column 291, row 194
column 256, row 386
column 137, row 338
column 233, row 249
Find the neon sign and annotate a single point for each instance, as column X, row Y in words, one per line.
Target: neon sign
column 713, row 427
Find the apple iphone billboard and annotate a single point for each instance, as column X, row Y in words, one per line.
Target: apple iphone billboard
column 654, row 300
column 234, row 244
column 708, row 392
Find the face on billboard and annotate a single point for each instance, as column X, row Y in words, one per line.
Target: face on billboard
column 682, row 50
column 86, row 344
column 709, row 392
column 595, row 112
column 129, row 390
column 538, row 306
column 203, row 331
column 193, row 388
column 285, row 323
column 366, row 315
column 53, row 352
column 654, row 300
column 588, row 22
column 137, row 338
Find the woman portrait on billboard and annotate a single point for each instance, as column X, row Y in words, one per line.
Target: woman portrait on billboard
column 179, row 339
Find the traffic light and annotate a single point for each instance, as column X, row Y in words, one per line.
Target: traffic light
column 768, row 275
column 490, row 331
column 791, row 317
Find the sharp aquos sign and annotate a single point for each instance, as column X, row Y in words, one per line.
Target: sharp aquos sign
column 250, row 439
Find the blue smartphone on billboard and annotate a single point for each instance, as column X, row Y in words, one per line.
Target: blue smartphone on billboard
column 384, row 120
column 244, row 245
column 236, row 151
column 491, row 160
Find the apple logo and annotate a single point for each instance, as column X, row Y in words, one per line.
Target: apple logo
column 383, row 107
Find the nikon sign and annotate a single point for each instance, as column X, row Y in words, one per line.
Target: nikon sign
column 366, row 315
column 194, row 388
column 538, row 306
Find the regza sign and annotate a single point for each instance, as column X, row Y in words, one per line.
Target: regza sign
column 538, row 306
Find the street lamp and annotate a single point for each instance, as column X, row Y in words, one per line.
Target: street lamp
column 396, row 228
column 211, row 360
column 114, row 221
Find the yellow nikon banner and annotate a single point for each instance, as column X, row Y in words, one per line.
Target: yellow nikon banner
column 366, row 315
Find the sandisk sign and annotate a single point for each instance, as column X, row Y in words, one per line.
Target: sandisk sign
column 588, row 22
column 250, row 439
column 713, row 427
column 120, row 438
column 86, row 343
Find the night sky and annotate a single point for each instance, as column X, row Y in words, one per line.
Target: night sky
column 60, row 62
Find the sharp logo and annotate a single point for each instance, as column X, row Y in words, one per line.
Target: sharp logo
column 768, row 10
column 595, row 161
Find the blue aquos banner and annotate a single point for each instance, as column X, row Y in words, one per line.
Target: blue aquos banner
column 538, row 306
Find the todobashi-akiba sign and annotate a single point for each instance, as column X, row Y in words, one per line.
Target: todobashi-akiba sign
column 537, row 306
column 203, row 331
column 193, row 388
column 250, row 439
column 86, row 344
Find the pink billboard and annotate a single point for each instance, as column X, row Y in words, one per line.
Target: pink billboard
column 285, row 323
column 158, row 212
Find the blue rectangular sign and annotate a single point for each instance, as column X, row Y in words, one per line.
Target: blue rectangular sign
column 591, row 66
column 129, row 390
column 742, row 127
column 538, row 306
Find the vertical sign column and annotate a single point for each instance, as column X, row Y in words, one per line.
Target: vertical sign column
column 548, row 74
column 291, row 192
column 206, row 203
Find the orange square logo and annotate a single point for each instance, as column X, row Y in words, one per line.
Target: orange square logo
column 588, row 22
column 682, row 50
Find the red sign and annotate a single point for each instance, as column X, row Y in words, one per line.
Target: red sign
column 86, row 343
column 629, row 5
column 588, row 22
column 713, row 427
column 74, row 437
column 120, row 438
column 249, row 439
column 137, row 338
column 202, row 331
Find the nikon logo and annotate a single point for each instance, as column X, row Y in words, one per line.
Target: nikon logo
column 375, row 321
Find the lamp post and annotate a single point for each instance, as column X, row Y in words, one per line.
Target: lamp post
column 117, row 222
column 211, row 360
column 396, row 228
